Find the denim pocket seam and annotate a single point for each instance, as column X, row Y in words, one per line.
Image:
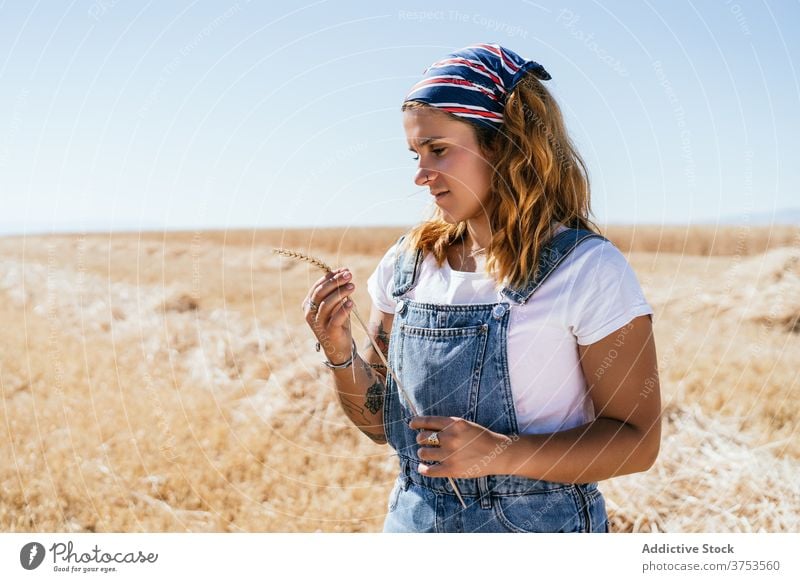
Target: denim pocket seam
column 593, row 494
column 442, row 332
column 501, row 517
column 536, row 492
column 583, row 506
column 505, row 521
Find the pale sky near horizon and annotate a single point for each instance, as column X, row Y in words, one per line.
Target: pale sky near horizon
column 120, row 114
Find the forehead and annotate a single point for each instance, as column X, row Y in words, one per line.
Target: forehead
column 422, row 125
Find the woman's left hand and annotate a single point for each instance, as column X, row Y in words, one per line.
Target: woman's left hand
column 466, row 449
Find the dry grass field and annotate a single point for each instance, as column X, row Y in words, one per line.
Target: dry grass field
column 167, row 382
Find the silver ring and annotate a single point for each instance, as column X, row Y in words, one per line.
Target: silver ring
column 433, row 439
column 313, row 306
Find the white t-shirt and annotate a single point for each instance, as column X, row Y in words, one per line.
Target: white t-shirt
column 591, row 294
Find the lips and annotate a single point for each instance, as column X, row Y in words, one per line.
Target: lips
column 439, row 195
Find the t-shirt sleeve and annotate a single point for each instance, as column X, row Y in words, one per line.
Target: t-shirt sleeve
column 607, row 295
column 381, row 283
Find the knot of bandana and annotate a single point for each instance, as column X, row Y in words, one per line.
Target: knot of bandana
column 474, row 82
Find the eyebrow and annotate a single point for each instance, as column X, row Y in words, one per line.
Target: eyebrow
column 426, row 140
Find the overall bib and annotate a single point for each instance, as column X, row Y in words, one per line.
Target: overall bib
column 452, row 360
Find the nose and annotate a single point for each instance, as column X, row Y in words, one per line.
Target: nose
column 424, row 177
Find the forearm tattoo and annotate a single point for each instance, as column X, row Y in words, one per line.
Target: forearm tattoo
column 353, row 410
column 382, row 338
column 373, row 402
column 374, row 397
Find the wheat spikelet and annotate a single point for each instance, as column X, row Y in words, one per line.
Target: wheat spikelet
column 322, row 265
column 303, row 257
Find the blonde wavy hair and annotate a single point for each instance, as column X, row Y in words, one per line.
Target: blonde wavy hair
column 538, row 177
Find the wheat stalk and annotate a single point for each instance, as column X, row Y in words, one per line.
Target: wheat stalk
column 319, row 263
column 303, row 257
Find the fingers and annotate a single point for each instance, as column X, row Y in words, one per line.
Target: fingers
column 320, row 290
column 319, row 282
column 437, row 470
column 431, row 422
column 330, row 281
column 341, row 312
column 431, row 454
column 330, row 296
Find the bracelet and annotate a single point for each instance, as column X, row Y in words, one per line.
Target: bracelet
column 343, row 365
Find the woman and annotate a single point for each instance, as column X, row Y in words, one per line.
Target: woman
column 520, row 334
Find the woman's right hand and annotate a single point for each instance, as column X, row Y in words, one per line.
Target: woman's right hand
column 330, row 322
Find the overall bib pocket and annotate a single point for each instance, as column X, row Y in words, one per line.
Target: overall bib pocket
column 441, row 369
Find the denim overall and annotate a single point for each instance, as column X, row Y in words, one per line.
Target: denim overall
column 452, row 360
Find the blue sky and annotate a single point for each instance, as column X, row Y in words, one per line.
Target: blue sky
column 117, row 114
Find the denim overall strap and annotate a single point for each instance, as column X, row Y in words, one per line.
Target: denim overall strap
column 406, row 268
column 552, row 254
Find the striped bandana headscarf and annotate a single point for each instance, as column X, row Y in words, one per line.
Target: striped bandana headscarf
column 473, row 82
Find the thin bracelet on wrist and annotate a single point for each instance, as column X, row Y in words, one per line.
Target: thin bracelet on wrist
column 343, row 365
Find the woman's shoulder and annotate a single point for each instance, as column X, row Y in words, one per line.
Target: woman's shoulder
column 597, row 259
column 594, row 262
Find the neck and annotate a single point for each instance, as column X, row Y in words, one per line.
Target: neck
column 478, row 236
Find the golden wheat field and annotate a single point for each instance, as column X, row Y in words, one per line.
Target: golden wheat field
column 167, row 382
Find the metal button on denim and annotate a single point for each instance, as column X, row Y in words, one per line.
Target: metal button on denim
column 499, row 310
